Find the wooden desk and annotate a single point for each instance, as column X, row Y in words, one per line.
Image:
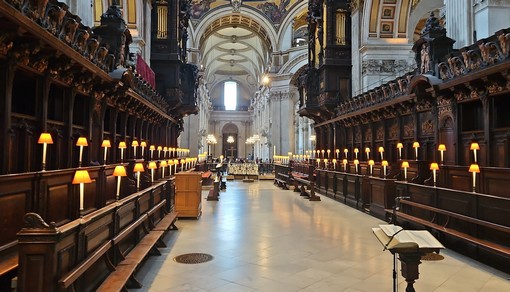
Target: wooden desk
column 188, row 194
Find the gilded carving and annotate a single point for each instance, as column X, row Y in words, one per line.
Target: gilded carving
column 427, row 127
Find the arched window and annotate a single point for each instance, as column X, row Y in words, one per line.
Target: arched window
column 230, row 95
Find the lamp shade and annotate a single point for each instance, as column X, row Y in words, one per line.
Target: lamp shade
column 405, row 164
column 106, row 143
column 160, row 148
column 346, row 150
column 416, row 145
column 381, row 149
column 344, row 161
column 474, row 146
column 163, row 164
column 356, row 161
column 152, row 165
column 400, row 145
column 367, row 150
column 183, row 161
column 177, row 161
column 384, row 163
column 356, row 150
column 119, row 171
column 138, row 167
column 45, row 138
column 334, row 160
column 152, row 147
column 371, row 162
column 143, row 144
column 474, row 168
column 81, row 177
column 134, row 143
column 82, row 141
column 441, row 147
column 434, row 166
column 122, row 145
column 170, row 162
column 165, row 148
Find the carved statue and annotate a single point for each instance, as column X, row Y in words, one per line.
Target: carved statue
column 425, row 58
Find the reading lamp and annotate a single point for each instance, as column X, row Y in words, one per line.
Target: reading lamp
column 474, row 168
column 399, row 147
column 151, row 149
column 138, row 168
column 356, row 162
column 346, row 151
column 416, row 145
column 356, row 150
column 81, row 177
column 334, row 163
column 405, row 165
column 165, row 149
column 434, row 167
column 134, row 144
column 371, row 164
column 318, row 162
column 163, row 164
column 82, row 142
column 119, row 172
column 106, row 144
column 384, row 164
column 329, row 152
column 143, row 144
column 442, row 149
column 367, row 151
column 44, row 139
column 152, row 166
column 337, row 151
column 474, row 147
column 183, row 161
column 176, row 162
column 345, row 164
column 122, row 146
column 170, row 162
column 159, row 151
column 381, row 150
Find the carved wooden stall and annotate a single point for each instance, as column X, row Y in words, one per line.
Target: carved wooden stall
column 68, row 80
column 451, row 110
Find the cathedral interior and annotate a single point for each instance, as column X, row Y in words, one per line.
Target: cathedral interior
column 368, row 102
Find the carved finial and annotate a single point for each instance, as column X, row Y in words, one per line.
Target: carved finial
column 34, row 221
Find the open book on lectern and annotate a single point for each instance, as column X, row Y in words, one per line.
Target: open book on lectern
column 394, row 237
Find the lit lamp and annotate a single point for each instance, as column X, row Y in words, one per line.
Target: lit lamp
column 399, row 147
column 318, row 154
column 165, row 149
column 474, row 147
column 334, row 163
column 82, row 142
column 151, row 149
column 346, row 151
column 134, row 144
column 138, row 168
column 474, row 168
column 318, row 162
column 405, row 165
column 356, row 162
column 143, row 144
column 328, row 151
column 367, row 151
column 152, row 166
column 106, row 144
column 325, row 163
column 381, row 150
column 176, row 162
column 81, row 177
column 119, row 172
column 371, row 164
column 416, row 145
column 344, row 162
column 170, row 163
column 163, row 164
column 356, row 150
column 384, row 164
column 442, row 149
column 434, row 167
column 122, row 146
column 337, row 153
column 183, row 161
column 44, row 139
column 159, row 151
column 322, row 151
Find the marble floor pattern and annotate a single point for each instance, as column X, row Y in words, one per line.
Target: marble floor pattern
column 267, row 239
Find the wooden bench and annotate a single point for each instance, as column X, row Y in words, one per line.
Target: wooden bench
column 282, row 180
column 303, row 185
column 500, row 249
column 123, row 273
column 8, row 264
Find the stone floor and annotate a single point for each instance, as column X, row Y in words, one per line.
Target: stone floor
column 266, row 239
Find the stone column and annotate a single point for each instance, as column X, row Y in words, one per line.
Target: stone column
column 459, row 24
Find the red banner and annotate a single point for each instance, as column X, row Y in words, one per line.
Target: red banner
column 145, row 71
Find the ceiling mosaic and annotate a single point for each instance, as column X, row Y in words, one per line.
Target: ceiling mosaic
column 275, row 10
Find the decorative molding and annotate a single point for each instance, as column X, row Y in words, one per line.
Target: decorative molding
column 377, row 67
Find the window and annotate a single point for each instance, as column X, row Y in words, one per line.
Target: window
column 230, row 95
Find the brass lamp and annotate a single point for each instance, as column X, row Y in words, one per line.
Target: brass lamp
column 134, row 144
column 152, row 166
column 434, row 167
column 371, row 164
column 442, row 148
column 143, row 144
column 474, row 146
column 138, row 169
column 82, row 142
column 106, row 144
column 119, row 172
column 122, row 146
column 405, row 166
column 384, row 164
column 163, row 164
column 416, row 145
column 399, row 147
column 81, row 177
column 474, row 169
column 45, row 139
